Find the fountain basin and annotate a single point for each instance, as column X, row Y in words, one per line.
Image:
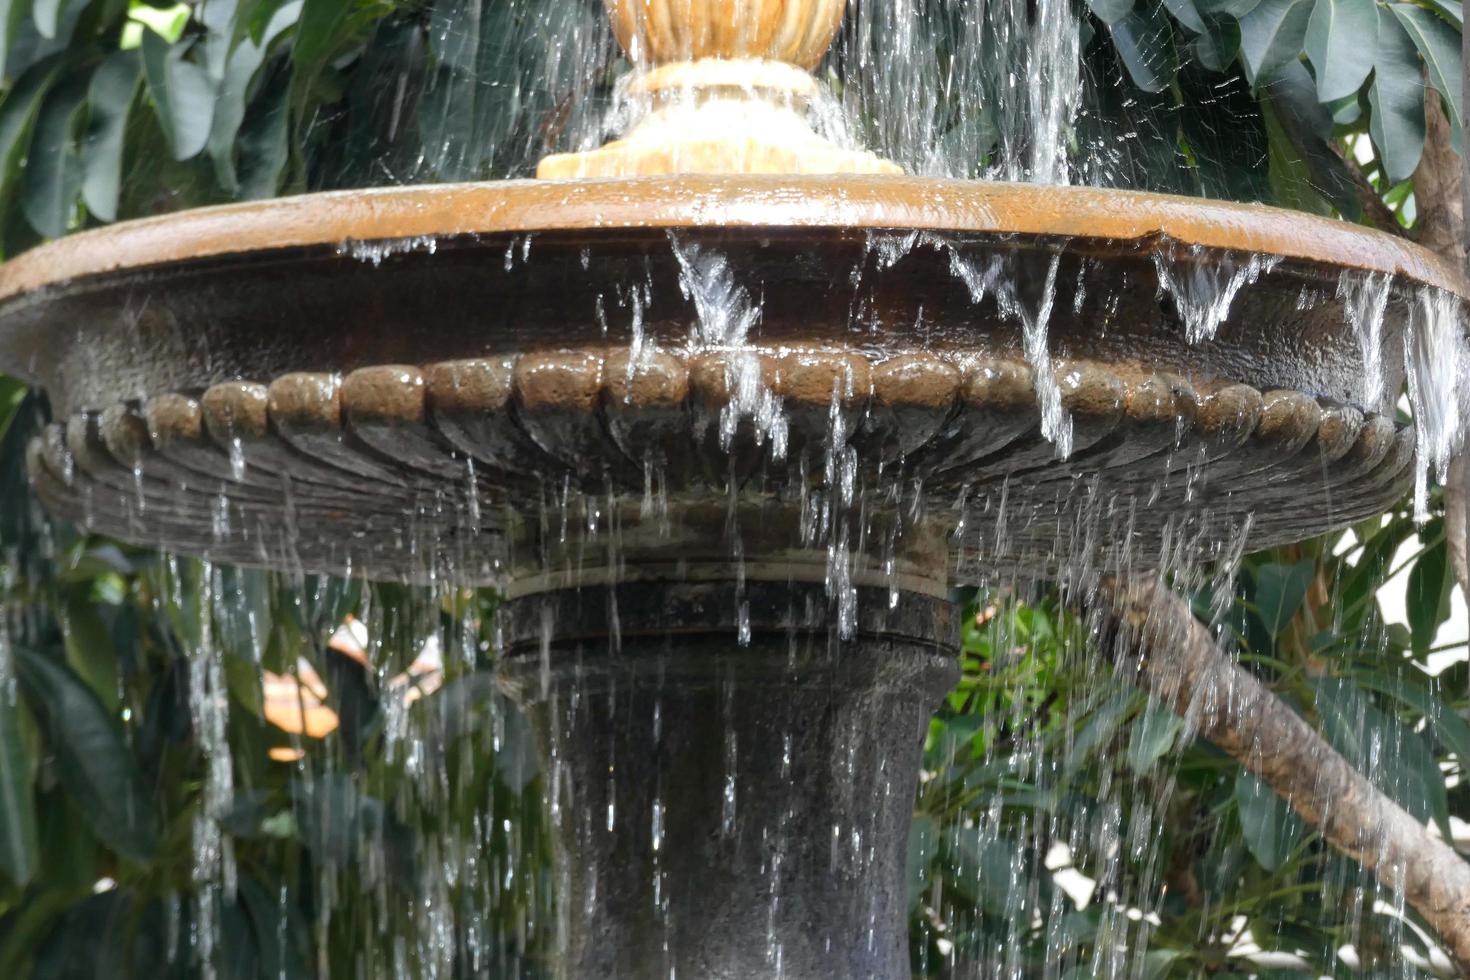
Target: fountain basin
column 725, row 444
column 452, row 352
column 729, row 809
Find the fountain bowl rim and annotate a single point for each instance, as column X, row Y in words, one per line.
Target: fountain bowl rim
column 854, row 204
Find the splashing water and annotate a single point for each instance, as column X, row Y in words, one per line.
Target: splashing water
column 375, row 252
column 992, row 902
column 1365, row 302
column 1434, row 364
column 1056, row 86
column 995, row 98
column 1204, row 284
column 725, row 313
column 1056, row 424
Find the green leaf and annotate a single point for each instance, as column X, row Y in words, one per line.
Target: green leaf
column 981, row 859
column 29, row 925
column 923, row 842
column 1186, row 13
column 12, row 397
column 18, row 113
column 1397, row 99
column 1338, row 33
column 1217, row 47
column 1099, row 727
column 1359, row 584
column 46, row 15
column 1271, row 829
column 1234, row 9
column 1271, row 35
column 238, row 955
column 337, row 819
column 1442, row 719
column 1452, row 11
column 221, row 34
column 19, row 842
column 1388, row 754
column 1427, row 599
column 278, row 929
column 1439, row 46
column 94, row 763
column 1145, row 43
column 264, row 141
column 1346, row 111
column 326, row 28
column 52, row 169
column 1157, row 963
column 1279, row 592
column 13, row 15
column 242, row 678
column 1152, row 735
column 89, row 648
column 96, row 561
column 1111, row 11
column 91, row 940
column 182, row 93
column 114, row 85
column 240, row 72
column 1306, row 171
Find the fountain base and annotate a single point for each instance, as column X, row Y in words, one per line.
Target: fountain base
column 719, row 116
column 730, row 810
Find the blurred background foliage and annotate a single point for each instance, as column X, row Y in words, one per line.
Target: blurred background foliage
column 127, row 676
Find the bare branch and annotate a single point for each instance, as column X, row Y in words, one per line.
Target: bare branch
column 1439, row 198
column 1163, row 649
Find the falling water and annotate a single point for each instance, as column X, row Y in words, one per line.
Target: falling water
column 374, row 252
column 725, row 312
column 1365, row 301
column 1047, row 781
column 1434, row 364
column 1203, row 286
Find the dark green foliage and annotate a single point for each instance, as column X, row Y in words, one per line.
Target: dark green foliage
column 1041, row 745
column 102, row 763
column 257, row 97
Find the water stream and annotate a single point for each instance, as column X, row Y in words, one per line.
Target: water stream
column 1046, row 781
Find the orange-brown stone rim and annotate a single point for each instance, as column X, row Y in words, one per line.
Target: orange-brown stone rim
column 900, row 203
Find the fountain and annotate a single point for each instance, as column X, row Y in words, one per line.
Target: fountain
column 724, row 408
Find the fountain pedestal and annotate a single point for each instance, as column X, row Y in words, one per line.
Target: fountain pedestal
column 730, row 698
column 730, row 810
column 720, row 88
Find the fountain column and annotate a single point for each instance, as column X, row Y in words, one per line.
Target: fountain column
column 730, row 810
column 732, row 742
column 720, row 87
column 731, row 752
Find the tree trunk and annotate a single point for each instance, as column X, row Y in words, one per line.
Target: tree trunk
column 1439, row 195
column 1162, row 648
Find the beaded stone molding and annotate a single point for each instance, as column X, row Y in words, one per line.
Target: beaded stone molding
column 403, row 472
column 507, row 381
column 720, row 88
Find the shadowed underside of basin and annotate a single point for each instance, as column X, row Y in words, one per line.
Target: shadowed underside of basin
column 725, row 444
column 468, row 465
column 411, row 382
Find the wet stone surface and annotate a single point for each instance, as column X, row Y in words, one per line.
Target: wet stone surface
column 495, row 380
column 393, row 471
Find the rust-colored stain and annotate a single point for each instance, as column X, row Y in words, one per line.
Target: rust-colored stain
column 795, row 31
column 1083, row 214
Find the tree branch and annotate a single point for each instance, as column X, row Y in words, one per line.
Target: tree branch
column 1163, row 649
column 1439, row 199
column 1376, row 213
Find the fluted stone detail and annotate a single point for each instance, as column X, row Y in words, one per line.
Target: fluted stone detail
column 721, row 88
column 355, row 464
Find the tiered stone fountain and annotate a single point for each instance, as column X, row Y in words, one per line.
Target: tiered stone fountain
column 703, row 403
